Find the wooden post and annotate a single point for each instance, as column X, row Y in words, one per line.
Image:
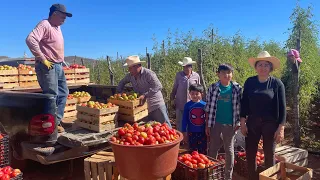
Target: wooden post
column 295, row 91
column 110, row 71
column 74, row 60
column 163, row 51
column 200, row 66
column 99, row 77
column 149, row 61
column 82, row 62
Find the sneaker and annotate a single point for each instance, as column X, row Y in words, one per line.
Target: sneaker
column 60, row 129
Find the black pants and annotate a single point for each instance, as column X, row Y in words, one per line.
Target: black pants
column 258, row 127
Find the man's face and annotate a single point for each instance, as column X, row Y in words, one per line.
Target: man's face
column 187, row 69
column 58, row 18
column 135, row 69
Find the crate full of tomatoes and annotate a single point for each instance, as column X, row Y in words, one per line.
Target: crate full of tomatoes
column 8, row 173
column 4, row 150
column 196, row 166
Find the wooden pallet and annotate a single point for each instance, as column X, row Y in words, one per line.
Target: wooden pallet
column 107, row 126
column 134, row 118
column 28, row 78
column 97, row 112
column 9, row 72
column 26, row 72
column 70, row 114
column 129, row 111
column 84, row 81
column 98, row 119
column 9, row 79
column 125, row 104
column 70, row 107
column 29, row 84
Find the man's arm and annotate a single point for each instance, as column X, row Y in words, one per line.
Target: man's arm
column 34, row 38
column 154, row 84
column 122, row 83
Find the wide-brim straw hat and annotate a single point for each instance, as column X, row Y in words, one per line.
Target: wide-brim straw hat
column 186, row 61
column 132, row 60
column 265, row 56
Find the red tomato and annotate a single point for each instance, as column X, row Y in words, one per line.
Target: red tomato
column 156, row 129
column 5, row 177
column 121, row 132
column 135, row 126
column 131, row 131
column 202, row 156
column 162, row 133
column 194, row 161
column 160, row 141
column 195, row 153
column 135, row 137
column 148, row 141
column 180, row 158
column 201, row 166
column 7, row 170
column 195, row 166
column 149, row 130
column 126, row 143
column 127, row 125
column 141, row 128
column 137, row 133
column 188, row 163
column 201, row 161
column 141, row 140
column 196, row 157
column 258, row 153
column 157, row 135
column 1, row 174
column 262, row 156
column 113, row 139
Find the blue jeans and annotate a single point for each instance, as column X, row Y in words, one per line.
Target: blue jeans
column 53, row 82
column 160, row 115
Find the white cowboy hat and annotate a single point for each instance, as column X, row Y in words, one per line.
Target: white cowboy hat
column 265, row 56
column 186, row 61
column 132, row 60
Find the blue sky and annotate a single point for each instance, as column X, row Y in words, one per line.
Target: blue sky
column 104, row 27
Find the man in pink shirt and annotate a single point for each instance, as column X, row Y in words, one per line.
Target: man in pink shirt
column 47, row 45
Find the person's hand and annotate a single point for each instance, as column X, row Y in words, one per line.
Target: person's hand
column 279, row 134
column 243, row 127
column 142, row 99
column 48, row 64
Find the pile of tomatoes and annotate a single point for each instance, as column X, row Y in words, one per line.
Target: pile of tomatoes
column 259, row 157
column 149, row 134
column 8, row 172
column 196, row 160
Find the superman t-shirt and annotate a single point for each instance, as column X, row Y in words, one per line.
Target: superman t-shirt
column 194, row 117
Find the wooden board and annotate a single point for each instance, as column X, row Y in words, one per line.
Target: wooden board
column 292, row 155
column 72, row 101
column 284, row 170
column 84, row 70
column 26, row 72
column 70, row 114
column 71, row 81
column 83, row 99
column 9, row 79
column 97, row 128
column 97, row 119
column 135, row 117
column 129, row 111
column 97, row 112
column 10, row 85
column 81, row 76
column 127, row 104
column 29, row 84
column 9, row 72
column 28, row 78
column 69, row 76
column 87, row 80
column 70, row 108
column 68, row 71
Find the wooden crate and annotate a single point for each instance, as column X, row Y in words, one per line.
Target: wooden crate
column 83, row 99
column 102, row 166
column 126, row 104
column 68, row 71
column 28, row 78
column 71, row 81
column 9, row 72
column 98, row 119
column 106, row 126
column 29, row 84
column 83, row 81
column 82, row 76
column 134, row 118
column 97, row 112
column 70, row 107
column 284, row 171
column 26, row 72
column 72, row 101
column 70, row 114
column 129, row 111
column 9, row 79
column 69, row 76
column 84, row 70
column 10, row 85
column 292, row 155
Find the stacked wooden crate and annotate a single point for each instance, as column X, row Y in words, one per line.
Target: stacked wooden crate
column 70, row 110
column 292, row 155
column 97, row 120
column 69, row 74
column 28, row 77
column 130, row 110
column 9, row 77
column 82, row 75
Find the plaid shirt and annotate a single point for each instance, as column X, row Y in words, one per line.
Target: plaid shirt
column 212, row 101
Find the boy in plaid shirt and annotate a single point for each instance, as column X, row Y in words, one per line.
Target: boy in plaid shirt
column 223, row 115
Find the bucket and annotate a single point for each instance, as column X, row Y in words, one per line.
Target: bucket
column 148, row 162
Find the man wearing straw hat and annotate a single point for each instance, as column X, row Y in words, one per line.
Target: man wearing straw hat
column 179, row 94
column 146, row 83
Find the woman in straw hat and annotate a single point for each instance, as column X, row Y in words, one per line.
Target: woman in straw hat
column 263, row 111
column 179, row 94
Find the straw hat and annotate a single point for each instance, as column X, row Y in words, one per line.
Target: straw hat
column 186, row 61
column 265, row 56
column 132, row 60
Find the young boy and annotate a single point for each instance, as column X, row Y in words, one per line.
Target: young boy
column 223, row 108
column 193, row 121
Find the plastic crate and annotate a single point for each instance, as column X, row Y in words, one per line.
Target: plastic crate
column 4, row 150
column 184, row 172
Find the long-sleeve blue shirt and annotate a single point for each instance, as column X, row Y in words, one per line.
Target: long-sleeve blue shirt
column 194, row 117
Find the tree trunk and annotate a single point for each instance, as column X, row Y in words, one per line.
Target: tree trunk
column 200, row 66
column 110, row 71
column 149, row 61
